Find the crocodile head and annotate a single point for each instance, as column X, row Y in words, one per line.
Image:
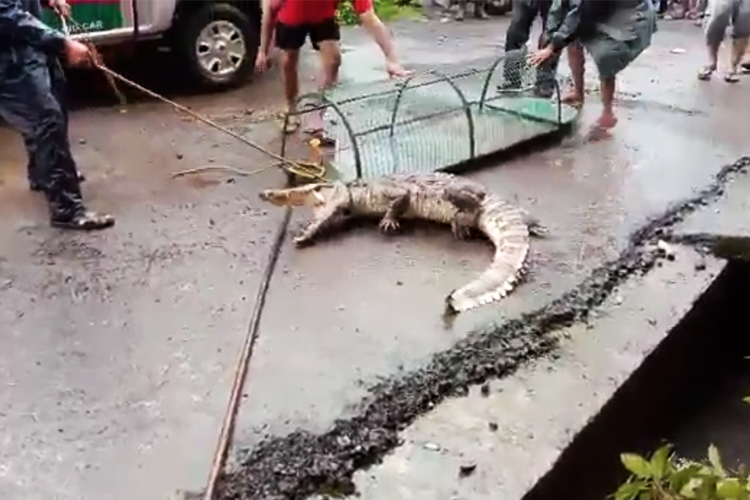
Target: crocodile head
column 318, row 196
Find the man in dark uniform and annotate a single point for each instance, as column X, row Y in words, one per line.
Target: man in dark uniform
column 31, row 83
column 523, row 16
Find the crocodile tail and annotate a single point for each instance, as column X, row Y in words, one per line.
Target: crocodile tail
column 504, row 225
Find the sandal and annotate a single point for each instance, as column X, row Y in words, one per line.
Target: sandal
column 732, row 77
column 745, row 67
column 84, row 221
column 292, row 124
column 572, row 98
column 320, row 134
column 706, row 72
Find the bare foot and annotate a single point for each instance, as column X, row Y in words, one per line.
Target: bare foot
column 572, row 97
column 602, row 127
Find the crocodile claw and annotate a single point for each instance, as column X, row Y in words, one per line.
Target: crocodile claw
column 460, row 231
column 302, row 240
column 389, row 226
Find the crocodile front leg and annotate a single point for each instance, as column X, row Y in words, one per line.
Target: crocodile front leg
column 469, row 203
column 321, row 220
column 389, row 223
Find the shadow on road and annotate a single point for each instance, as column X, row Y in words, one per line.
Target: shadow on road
column 154, row 70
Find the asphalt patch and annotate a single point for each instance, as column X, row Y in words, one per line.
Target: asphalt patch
column 300, row 464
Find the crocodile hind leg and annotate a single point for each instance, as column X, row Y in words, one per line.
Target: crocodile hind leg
column 400, row 204
column 469, row 203
column 536, row 228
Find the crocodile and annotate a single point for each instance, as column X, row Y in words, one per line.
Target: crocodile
column 439, row 197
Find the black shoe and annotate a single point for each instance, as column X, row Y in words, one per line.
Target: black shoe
column 543, row 92
column 36, row 187
column 84, row 221
column 509, row 88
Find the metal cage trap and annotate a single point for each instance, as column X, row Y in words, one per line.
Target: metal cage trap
column 436, row 120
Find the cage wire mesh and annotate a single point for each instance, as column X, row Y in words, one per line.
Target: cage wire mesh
column 437, row 119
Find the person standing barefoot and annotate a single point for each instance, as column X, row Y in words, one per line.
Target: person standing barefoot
column 613, row 32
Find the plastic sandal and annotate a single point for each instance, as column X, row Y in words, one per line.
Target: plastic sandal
column 320, row 134
column 292, row 125
column 731, row 77
column 706, row 72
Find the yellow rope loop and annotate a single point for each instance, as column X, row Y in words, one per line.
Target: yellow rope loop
column 308, row 171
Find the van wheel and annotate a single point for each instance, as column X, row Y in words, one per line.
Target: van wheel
column 217, row 45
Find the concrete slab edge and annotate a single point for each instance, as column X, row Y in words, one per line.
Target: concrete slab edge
column 300, row 464
column 690, row 357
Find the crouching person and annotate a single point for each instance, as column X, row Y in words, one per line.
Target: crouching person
column 29, row 71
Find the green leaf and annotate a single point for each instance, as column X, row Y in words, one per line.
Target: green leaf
column 689, row 490
column 629, row 490
column 715, row 459
column 636, row 464
column 659, row 462
column 707, row 489
column 746, row 400
column 682, row 477
column 730, row 488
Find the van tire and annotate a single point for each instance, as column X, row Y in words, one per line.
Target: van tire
column 198, row 33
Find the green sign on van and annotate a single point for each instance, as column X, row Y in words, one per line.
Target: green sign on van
column 89, row 15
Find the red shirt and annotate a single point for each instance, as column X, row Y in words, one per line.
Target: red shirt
column 296, row 12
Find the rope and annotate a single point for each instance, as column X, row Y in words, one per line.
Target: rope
column 300, row 169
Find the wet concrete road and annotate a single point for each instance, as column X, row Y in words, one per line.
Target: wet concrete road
column 118, row 348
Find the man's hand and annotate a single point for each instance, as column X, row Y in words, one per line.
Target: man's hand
column 395, row 70
column 77, row 54
column 261, row 61
column 540, row 56
column 60, row 6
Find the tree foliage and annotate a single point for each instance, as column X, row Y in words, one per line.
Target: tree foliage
column 385, row 9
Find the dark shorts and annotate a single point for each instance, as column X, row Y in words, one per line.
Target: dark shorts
column 293, row 37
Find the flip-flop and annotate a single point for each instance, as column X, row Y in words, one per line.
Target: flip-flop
column 320, row 134
column 745, row 67
column 731, row 77
column 292, row 124
column 706, row 72
column 572, row 99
